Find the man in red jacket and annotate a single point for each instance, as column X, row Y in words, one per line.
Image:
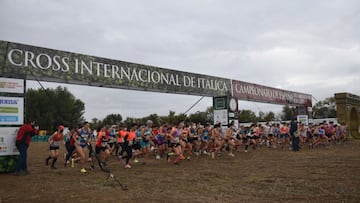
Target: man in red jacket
column 23, row 139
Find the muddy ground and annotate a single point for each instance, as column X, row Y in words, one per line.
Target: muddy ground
column 263, row 175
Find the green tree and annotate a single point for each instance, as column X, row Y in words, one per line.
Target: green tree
column 129, row 121
column 202, row 116
column 112, row 119
column 209, row 114
column 52, row 107
column 247, row 116
column 325, row 109
column 172, row 118
column 270, row 116
column 153, row 117
column 288, row 113
column 198, row 117
column 96, row 123
column 261, row 116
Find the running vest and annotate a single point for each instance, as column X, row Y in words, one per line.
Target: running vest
column 102, row 140
column 205, row 135
column 147, row 133
column 131, row 136
column 56, row 140
column 321, row 131
column 176, row 133
column 83, row 136
column 112, row 136
column 137, row 137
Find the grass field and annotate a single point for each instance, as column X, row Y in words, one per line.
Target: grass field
column 263, row 175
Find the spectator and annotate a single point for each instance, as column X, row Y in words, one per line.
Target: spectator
column 294, row 135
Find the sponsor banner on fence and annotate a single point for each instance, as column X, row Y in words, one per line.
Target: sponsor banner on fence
column 60, row 66
column 259, row 93
column 304, row 119
column 7, row 141
column 11, row 110
column 11, row 85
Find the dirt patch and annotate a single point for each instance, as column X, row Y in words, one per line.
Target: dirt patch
column 262, row 175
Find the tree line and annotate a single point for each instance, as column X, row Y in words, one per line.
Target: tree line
column 51, row 107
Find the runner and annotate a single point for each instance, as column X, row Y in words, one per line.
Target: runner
column 194, row 139
column 82, row 140
column 54, row 145
column 128, row 145
column 174, row 144
column 145, row 141
column 322, row 139
column 185, row 142
column 284, row 135
column 112, row 141
column 302, row 133
column 69, row 144
column 230, row 138
column 137, row 146
column 276, row 135
column 250, row 137
column 102, row 148
column 161, row 141
column 271, row 138
column 205, row 136
column 217, row 140
column 122, row 133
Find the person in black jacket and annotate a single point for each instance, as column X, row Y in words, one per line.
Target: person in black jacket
column 294, row 135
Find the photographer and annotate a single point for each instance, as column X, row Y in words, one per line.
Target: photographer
column 23, row 140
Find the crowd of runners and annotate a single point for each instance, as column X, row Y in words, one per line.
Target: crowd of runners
column 176, row 142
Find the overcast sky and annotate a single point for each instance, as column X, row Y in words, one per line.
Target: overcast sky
column 299, row 45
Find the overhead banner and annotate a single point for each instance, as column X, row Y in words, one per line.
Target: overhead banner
column 259, row 93
column 66, row 67
column 31, row 62
column 11, row 110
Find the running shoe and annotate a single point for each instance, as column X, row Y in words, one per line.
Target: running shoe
column 127, row 166
column 83, row 171
column 136, row 160
column 92, row 168
column 232, row 155
column 158, row 157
